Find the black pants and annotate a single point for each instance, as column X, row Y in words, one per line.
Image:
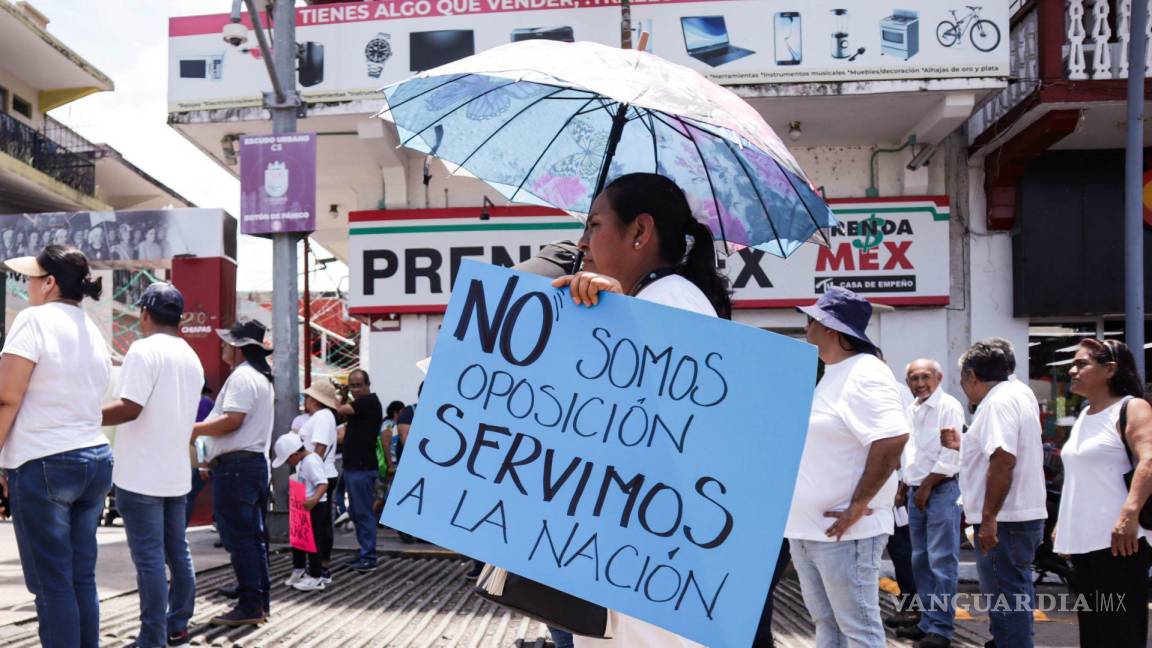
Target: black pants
column 1102, row 578
column 321, row 515
column 900, row 551
column 763, row 637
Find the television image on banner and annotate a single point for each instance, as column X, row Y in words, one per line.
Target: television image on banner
column 431, row 49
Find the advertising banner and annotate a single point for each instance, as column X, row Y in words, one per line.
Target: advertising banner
column 353, row 49
column 891, row 250
column 773, row 41
column 634, row 455
column 278, row 183
column 123, row 239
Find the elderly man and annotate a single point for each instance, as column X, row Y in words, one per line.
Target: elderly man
column 930, row 472
column 1002, row 486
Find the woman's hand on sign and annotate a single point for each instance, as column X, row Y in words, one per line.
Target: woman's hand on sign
column 587, row 286
column 845, row 519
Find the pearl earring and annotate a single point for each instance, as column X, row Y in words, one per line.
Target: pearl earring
column 636, row 244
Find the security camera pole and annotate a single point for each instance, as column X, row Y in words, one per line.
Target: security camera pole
column 284, row 103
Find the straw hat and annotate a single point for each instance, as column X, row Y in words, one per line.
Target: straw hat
column 324, row 392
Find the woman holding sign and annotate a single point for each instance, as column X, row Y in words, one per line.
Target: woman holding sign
column 641, row 235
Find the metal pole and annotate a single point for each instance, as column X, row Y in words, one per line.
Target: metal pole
column 285, row 295
column 307, row 318
column 1133, row 181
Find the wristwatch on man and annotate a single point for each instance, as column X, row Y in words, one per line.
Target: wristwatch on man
column 378, row 50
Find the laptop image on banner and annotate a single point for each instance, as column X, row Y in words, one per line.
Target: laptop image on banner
column 706, row 39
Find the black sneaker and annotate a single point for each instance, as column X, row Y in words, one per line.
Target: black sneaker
column 238, row 617
column 179, row 638
column 912, row 632
column 903, row 619
column 229, row 592
column 365, row 566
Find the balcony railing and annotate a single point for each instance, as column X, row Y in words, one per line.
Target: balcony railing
column 1087, row 40
column 77, row 169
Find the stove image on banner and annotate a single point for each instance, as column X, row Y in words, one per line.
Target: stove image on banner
column 706, row 40
column 430, row 49
column 900, row 34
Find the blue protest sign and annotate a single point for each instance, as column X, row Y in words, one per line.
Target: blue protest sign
column 634, row 455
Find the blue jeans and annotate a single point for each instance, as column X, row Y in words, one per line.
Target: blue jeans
column 155, row 527
column 840, row 584
column 361, row 486
column 56, row 506
column 935, row 535
column 1006, row 572
column 240, row 499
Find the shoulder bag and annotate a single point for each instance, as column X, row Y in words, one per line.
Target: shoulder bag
column 1146, row 510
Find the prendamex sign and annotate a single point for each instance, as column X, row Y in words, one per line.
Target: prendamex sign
column 892, row 250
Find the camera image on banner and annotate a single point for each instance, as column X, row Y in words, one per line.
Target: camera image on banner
column 638, row 456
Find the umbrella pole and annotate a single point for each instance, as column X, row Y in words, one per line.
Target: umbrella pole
column 614, row 135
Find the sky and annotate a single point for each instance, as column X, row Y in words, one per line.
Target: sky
column 127, row 40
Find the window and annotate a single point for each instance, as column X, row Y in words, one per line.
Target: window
column 3, row 100
column 22, row 106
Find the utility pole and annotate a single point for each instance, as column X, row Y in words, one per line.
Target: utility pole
column 284, row 103
column 1133, row 184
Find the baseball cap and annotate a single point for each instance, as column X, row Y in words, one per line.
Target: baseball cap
column 288, row 444
column 162, row 299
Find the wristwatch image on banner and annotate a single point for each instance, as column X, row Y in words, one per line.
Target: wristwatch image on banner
column 378, row 50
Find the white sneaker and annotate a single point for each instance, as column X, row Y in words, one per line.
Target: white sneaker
column 326, row 578
column 309, row 584
column 341, row 519
column 294, row 578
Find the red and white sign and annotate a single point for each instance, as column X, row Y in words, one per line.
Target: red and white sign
column 891, row 250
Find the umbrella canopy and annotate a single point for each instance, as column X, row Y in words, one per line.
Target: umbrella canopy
column 548, row 122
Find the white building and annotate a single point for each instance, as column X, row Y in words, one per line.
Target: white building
column 892, row 114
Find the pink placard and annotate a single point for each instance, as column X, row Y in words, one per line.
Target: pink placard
column 299, row 520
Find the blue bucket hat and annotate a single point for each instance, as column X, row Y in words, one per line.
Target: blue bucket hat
column 842, row 310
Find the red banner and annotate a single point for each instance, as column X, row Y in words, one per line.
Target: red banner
column 299, row 520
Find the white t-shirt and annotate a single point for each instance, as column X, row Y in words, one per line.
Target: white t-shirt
column 321, row 428
column 162, row 374
column 1095, row 461
column 310, row 472
column 923, row 453
column 1008, row 418
column 628, row 631
column 246, row 391
column 61, row 410
column 856, row 403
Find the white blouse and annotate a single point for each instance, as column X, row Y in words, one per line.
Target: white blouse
column 1094, row 492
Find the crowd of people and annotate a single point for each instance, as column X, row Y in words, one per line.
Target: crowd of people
column 874, row 474
column 107, row 241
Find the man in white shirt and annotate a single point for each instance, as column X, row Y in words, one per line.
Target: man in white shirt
column 1002, row 486
column 930, row 472
column 159, row 396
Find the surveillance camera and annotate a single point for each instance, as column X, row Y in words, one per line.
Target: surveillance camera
column 235, row 34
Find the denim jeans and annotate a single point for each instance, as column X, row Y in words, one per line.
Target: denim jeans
column 1006, row 572
column 361, row 485
column 935, row 535
column 900, row 551
column 56, row 506
column 155, row 527
column 840, row 584
column 240, row 499
column 560, row 638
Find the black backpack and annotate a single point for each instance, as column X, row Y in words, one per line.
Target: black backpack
column 1146, row 510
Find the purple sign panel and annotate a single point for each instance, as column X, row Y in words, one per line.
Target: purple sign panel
column 278, row 183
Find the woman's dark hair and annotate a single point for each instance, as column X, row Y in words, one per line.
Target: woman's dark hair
column 1126, row 381
column 650, row 193
column 853, row 343
column 69, row 267
column 258, row 358
column 393, row 408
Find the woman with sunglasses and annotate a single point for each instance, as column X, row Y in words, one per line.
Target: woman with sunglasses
column 1098, row 522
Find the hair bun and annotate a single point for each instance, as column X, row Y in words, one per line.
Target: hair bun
column 92, row 288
